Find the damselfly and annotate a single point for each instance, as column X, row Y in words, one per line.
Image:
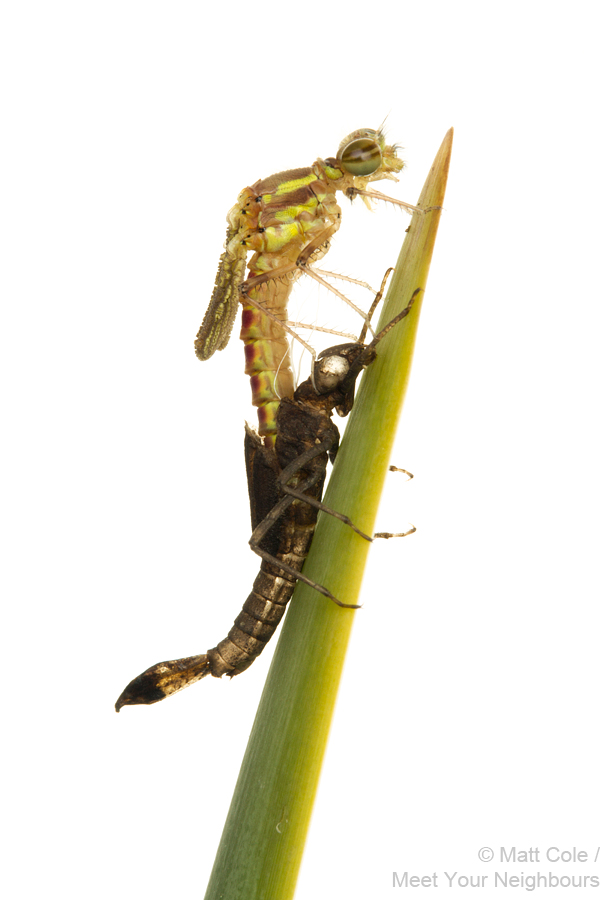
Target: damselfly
column 286, row 221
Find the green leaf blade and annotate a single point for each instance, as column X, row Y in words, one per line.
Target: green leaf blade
column 264, row 836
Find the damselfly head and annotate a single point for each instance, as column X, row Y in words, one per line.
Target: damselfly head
column 365, row 154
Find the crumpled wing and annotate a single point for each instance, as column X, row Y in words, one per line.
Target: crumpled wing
column 220, row 315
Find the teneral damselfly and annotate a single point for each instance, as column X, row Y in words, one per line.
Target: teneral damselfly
column 286, row 221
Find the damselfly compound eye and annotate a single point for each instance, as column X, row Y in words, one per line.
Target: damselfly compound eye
column 361, row 157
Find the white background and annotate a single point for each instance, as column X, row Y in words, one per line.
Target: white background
column 129, row 129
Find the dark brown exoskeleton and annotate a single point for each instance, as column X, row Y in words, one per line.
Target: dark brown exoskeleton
column 285, row 484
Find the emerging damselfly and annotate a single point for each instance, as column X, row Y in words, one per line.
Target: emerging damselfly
column 286, row 221
column 285, row 482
